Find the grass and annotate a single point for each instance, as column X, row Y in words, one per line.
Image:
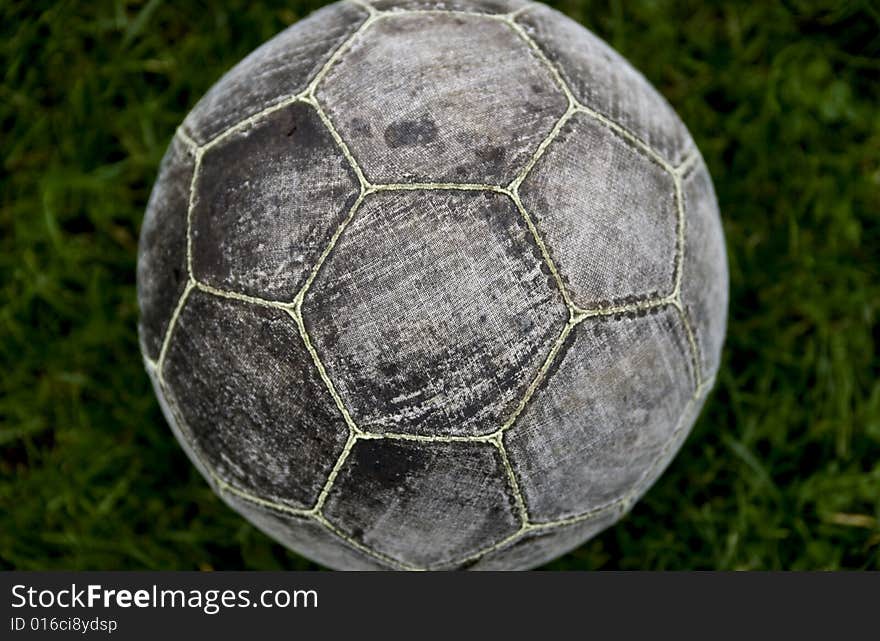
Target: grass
column 781, row 472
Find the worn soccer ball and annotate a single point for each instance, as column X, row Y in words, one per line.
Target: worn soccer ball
column 432, row 284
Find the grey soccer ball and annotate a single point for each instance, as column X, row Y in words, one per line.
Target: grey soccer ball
column 432, row 285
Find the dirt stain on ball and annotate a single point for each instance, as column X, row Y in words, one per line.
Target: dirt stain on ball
column 411, row 133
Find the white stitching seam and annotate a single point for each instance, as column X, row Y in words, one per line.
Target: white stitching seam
column 576, row 314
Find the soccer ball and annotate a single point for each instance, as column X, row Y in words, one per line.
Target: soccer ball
column 432, row 285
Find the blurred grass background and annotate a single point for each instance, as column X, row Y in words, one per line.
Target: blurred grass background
column 781, row 472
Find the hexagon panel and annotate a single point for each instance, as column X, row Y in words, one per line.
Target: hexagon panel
column 422, row 504
column 704, row 284
column 267, row 201
column 603, row 80
column 170, row 410
column 613, row 400
column 493, row 7
column 668, row 453
column 610, row 223
column 161, row 270
column 280, row 68
column 431, row 116
column 434, row 312
column 305, row 536
column 251, row 399
column 540, row 546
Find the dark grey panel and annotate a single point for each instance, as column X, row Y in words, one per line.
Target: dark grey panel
column 602, row 79
column 665, row 458
column 250, row 395
column 305, row 536
column 704, row 287
column 168, row 405
column 541, row 546
column 475, row 6
column 441, row 98
column 603, row 416
column 434, row 312
column 606, row 213
column 281, row 67
column 267, row 201
column 422, row 503
column 161, row 268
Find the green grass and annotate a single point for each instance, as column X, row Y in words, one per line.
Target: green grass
column 783, row 469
